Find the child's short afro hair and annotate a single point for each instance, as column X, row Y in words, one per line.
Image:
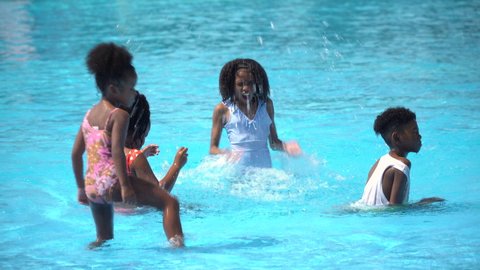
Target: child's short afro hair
column 392, row 119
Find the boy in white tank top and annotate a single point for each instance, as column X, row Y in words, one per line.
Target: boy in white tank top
column 389, row 178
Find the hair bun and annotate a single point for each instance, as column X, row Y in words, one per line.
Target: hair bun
column 108, row 61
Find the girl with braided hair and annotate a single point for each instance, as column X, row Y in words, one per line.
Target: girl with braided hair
column 150, row 191
column 137, row 163
column 247, row 114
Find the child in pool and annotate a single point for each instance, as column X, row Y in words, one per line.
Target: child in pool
column 137, row 163
column 389, row 178
column 247, row 114
column 102, row 134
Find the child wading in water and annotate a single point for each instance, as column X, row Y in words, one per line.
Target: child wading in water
column 102, row 134
column 247, row 114
column 389, row 178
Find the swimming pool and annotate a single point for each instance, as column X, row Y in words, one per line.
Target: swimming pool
column 332, row 68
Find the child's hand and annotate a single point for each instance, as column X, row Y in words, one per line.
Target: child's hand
column 82, row 196
column 181, row 157
column 430, row 200
column 292, row 148
column 233, row 156
column 128, row 196
column 150, row 150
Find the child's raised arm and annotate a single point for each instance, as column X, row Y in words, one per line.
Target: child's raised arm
column 181, row 157
column 150, row 150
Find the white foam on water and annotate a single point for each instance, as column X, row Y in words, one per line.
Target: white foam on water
column 294, row 179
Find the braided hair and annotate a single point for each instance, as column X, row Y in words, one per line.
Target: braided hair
column 109, row 63
column 139, row 123
column 392, row 119
column 229, row 71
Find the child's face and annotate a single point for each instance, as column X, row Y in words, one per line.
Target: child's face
column 410, row 138
column 244, row 85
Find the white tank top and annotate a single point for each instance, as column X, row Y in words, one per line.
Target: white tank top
column 373, row 192
column 248, row 137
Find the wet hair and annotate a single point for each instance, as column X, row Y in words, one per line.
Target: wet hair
column 139, row 122
column 229, row 71
column 392, row 119
column 109, row 63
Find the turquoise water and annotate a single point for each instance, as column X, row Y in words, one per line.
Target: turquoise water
column 332, row 67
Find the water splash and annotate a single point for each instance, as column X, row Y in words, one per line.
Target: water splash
column 272, row 25
column 260, row 40
column 359, row 207
column 218, row 173
column 132, row 45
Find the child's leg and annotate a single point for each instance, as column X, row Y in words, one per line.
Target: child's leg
column 152, row 195
column 103, row 217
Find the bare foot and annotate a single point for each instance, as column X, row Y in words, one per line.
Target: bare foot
column 176, row 241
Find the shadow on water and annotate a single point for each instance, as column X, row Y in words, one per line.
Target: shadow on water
column 235, row 243
column 240, row 243
column 195, row 210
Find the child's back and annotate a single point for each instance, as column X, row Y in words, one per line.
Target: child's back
column 373, row 193
column 98, row 143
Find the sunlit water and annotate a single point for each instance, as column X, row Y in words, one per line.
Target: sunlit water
column 333, row 66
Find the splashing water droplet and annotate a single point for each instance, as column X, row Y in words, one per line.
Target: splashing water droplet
column 272, row 25
column 260, row 40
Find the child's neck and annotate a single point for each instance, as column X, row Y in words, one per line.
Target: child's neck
column 107, row 103
column 400, row 156
column 398, row 153
column 249, row 108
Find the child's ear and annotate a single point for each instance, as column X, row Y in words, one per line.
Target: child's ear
column 112, row 89
column 395, row 138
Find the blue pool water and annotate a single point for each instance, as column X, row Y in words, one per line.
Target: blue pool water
column 333, row 66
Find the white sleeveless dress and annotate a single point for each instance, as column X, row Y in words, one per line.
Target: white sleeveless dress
column 248, row 138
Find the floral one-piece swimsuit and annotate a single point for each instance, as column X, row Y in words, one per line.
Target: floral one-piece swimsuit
column 101, row 174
